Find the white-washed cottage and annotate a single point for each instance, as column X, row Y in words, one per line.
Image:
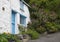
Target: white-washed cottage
column 12, row 13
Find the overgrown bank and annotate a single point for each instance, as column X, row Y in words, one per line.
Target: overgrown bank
column 45, row 15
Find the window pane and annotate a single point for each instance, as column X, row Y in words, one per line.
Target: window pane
column 23, row 20
column 21, row 5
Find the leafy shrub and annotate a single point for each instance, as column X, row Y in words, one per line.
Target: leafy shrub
column 41, row 29
column 21, row 28
column 34, row 24
column 33, row 34
column 8, row 38
column 2, row 39
column 51, row 27
column 58, row 27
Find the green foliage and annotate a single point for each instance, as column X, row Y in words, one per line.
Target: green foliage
column 33, row 25
column 45, row 13
column 41, row 29
column 22, row 30
column 33, row 34
column 8, row 37
column 58, row 27
column 2, row 39
column 51, row 27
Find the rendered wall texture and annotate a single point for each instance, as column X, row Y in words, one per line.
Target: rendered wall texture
column 5, row 15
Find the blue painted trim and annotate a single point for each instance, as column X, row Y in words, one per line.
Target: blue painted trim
column 23, row 20
column 13, row 21
column 14, row 11
column 23, row 16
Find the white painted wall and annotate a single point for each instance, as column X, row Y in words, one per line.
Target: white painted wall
column 15, row 5
column 5, row 16
column 26, row 14
column 17, row 19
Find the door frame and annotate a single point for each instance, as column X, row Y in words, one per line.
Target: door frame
column 13, row 22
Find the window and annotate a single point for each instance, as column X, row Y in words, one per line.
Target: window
column 21, row 5
column 22, row 20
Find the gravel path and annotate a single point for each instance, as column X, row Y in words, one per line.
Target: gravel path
column 49, row 38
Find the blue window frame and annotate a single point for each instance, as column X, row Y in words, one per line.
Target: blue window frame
column 23, row 20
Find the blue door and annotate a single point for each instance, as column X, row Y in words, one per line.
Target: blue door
column 13, row 22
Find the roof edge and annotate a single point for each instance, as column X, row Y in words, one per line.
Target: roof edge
column 26, row 4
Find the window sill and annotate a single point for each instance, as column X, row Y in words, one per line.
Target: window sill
column 23, row 25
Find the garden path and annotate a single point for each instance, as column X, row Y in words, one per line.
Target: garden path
column 48, row 38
